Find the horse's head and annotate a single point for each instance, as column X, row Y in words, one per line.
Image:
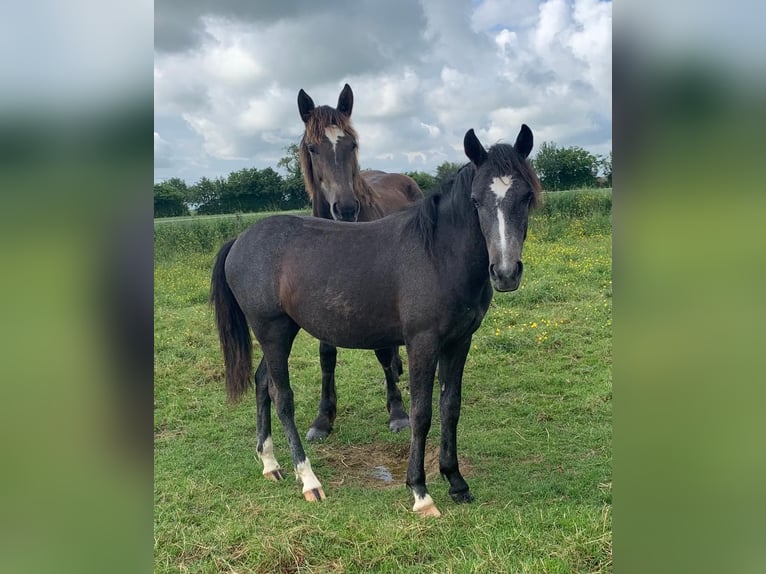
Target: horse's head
column 504, row 189
column 328, row 156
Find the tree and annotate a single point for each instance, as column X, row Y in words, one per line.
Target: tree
column 291, row 163
column 170, row 198
column 294, row 194
column 446, row 170
column 426, row 182
column 205, row 191
column 246, row 190
column 606, row 165
column 565, row 167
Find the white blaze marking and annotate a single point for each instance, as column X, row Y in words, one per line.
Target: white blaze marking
column 306, row 475
column 421, row 503
column 334, row 133
column 270, row 463
column 501, row 231
column 500, row 187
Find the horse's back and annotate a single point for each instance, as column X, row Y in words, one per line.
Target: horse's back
column 395, row 190
column 338, row 281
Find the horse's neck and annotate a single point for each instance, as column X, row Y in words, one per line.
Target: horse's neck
column 363, row 191
column 461, row 237
column 370, row 212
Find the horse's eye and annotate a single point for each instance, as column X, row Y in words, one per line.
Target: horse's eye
column 312, row 148
column 475, row 202
column 354, row 145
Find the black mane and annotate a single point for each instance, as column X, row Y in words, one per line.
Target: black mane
column 454, row 193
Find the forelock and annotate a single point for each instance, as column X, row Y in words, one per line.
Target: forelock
column 322, row 118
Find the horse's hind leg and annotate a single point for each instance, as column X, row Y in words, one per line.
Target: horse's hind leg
column 451, row 363
column 398, row 366
column 421, row 354
column 265, row 448
column 397, row 416
column 276, row 340
column 322, row 425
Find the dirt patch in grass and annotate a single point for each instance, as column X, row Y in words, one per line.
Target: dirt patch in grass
column 379, row 465
column 167, row 434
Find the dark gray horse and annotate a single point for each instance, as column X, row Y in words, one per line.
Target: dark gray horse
column 339, row 190
column 422, row 278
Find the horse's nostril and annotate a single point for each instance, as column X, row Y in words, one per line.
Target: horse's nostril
column 519, row 268
column 335, row 211
column 492, row 272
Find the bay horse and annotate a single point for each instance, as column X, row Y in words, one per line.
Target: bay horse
column 421, row 277
column 339, row 190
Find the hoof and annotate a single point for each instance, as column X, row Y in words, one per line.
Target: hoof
column 462, row 497
column 429, row 511
column 274, row 475
column 314, row 495
column 398, row 425
column 317, row 434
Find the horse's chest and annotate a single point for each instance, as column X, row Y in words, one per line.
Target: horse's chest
column 463, row 319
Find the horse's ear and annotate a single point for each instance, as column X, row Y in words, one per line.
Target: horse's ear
column 346, row 101
column 305, row 105
column 473, row 148
column 524, row 141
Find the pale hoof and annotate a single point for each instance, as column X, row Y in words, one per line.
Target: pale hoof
column 274, row 475
column 316, row 434
column 425, row 507
column 399, row 425
column 428, row 511
column 314, row 495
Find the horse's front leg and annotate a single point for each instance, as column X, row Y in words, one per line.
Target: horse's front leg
column 397, row 416
column 421, row 352
column 451, row 364
column 322, row 425
column 276, row 344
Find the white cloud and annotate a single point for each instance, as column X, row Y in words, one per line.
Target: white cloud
column 225, row 96
column 433, row 131
column 491, row 14
column 412, row 156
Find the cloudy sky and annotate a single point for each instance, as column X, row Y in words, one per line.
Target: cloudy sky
column 227, row 75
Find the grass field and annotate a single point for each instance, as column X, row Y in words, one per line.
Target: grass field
column 534, row 435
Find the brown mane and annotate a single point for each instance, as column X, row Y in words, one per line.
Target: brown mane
column 321, row 118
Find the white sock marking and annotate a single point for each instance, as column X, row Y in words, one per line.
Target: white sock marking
column 270, row 463
column 421, row 503
column 306, row 475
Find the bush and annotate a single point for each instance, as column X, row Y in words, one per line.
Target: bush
column 566, row 167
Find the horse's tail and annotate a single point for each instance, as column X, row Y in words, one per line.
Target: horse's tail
column 233, row 331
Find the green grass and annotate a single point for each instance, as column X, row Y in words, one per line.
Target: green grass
column 534, row 435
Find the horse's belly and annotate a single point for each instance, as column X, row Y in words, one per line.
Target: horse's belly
column 353, row 334
column 342, row 324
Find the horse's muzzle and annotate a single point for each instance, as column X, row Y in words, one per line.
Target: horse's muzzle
column 346, row 212
column 506, row 278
